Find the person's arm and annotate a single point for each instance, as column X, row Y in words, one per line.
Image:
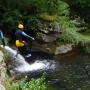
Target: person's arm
column 24, row 34
column 2, row 38
column 2, row 35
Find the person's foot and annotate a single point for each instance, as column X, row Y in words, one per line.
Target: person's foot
column 29, row 55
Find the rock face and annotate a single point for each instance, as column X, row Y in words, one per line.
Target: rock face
column 49, row 33
column 1, row 56
column 2, row 71
column 2, row 87
column 47, row 37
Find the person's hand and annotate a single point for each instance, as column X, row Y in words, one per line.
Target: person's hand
column 2, row 46
column 33, row 38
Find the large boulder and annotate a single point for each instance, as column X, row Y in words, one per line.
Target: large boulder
column 51, row 37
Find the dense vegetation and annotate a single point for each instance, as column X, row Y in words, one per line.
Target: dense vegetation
column 12, row 13
column 33, row 84
column 80, row 8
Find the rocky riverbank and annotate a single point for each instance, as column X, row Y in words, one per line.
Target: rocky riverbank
column 2, row 71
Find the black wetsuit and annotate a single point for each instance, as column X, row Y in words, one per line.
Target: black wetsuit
column 21, row 36
column 2, row 38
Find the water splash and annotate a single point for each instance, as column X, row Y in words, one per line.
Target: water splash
column 23, row 66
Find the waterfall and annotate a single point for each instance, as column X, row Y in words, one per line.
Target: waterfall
column 23, row 66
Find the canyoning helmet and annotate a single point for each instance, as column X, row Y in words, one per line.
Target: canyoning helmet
column 20, row 26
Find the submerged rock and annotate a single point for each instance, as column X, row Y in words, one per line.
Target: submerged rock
column 63, row 49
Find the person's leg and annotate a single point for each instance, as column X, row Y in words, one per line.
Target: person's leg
column 17, row 52
column 22, row 50
column 3, row 42
column 28, row 51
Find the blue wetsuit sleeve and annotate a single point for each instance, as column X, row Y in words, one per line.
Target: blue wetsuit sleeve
column 1, row 35
column 24, row 34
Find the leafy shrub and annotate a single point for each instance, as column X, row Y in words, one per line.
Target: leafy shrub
column 87, row 48
column 70, row 34
column 33, row 84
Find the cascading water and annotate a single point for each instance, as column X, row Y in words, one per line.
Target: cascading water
column 72, row 72
column 22, row 66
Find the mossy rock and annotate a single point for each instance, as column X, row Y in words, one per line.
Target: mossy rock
column 47, row 17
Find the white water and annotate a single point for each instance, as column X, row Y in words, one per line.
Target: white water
column 23, row 66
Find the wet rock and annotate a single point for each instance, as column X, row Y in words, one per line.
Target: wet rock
column 47, row 37
column 2, row 87
column 63, row 49
column 1, row 56
column 2, row 71
column 57, row 27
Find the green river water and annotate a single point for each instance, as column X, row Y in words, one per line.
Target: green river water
column 74, row 73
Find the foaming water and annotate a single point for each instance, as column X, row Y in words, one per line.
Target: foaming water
column 23, row 66
column 40, row 65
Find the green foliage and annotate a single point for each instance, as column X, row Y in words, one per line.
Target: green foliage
column 80, row 8
column 34, row 23
column 70, row 34
column 34, row 84
column 9, row 85
column 38, row 84
column 11, row 18
column 70, row 28
column 62, row 8
column 35, row 6
column 87, row 48
column 11, row 15
column 82, row 3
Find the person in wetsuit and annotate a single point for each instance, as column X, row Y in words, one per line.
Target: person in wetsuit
column 21, row 42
